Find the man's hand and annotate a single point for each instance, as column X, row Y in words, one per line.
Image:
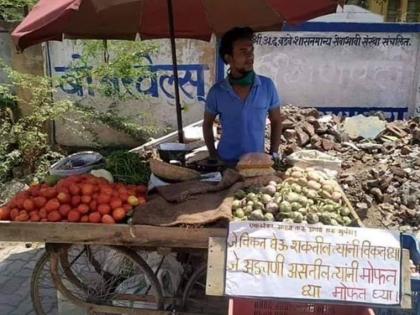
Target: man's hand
column 208, row 134
column 276, row 120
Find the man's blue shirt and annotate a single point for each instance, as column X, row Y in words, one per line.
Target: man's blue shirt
column 243, row 122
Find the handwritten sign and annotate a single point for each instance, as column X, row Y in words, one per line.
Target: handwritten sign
column 296, row 261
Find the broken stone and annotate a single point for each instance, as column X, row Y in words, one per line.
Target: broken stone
column 386, row 207
column 395, row 130
column 373, row 183
column 398, row 171
column 377, row 193
column 302, row 137
column 365, row 127
column 406, row 150
column 289, row 134
column 327, row 145
column 309, row 129
column 321, row 130
column 411, row 213
column 385, row 182
column 313, row 112
column 348, row 179
column 362, row 206
column 287, row 124
column 416, row 134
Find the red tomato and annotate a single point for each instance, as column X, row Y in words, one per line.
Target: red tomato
column 115, row 203
column 14, row 213
column 22, row 217
column 52, row 205
column 63, row 189
column 4, row 213
column 106, row 189
column 93, row 205
column 64, row 197
column 64, row 210
column 87, row 189
column 35, row 190
column 95, row 217
column 118, row 214
column 86, row 199
column 83, row 208
column 74, row 189
column 19, row 201
column 43, row 213
column 107, row 219
column 50, row 193
column 54, row 216
column 35, row 217
column 104, row 209
column 141, row 189
column 29, row 205
column 75, row 201
column 84, row 218
column 73, row 216
column 40, row 202
column 124, row 196
column 103, row 198
column 127, row 207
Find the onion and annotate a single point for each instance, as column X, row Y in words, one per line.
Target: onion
column 272, row 207
column 325, row 194
column 236, row 204
column 314, row 176
column 314, row 185
column 328, row 187
column 297, row 174
column 285, row 206
column 336, row 196
column 292, row 197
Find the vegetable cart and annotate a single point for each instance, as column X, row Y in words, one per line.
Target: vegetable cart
column 74, row 261
column 74, row 253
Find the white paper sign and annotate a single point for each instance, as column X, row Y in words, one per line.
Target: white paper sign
column 295, row 261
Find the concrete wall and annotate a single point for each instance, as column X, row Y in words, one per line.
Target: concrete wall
column 338, row 67
column 344, row 68
column 196, row 70
column 30, row 61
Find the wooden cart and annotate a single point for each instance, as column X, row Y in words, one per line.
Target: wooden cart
column 126, row 240
column 67, row 244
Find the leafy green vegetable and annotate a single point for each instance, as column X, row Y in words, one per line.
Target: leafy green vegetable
column 128, row 167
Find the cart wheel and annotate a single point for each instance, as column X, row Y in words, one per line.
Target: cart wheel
column 194, row 298
column 110, row 275
column 43, row 291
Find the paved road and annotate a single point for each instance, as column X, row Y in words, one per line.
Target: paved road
column 16, row 265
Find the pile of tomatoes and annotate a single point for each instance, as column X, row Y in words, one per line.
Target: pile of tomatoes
column 79, row 198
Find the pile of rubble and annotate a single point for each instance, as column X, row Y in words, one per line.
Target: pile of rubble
column 381, row 176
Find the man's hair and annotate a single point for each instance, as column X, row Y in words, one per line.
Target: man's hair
column 226, row 44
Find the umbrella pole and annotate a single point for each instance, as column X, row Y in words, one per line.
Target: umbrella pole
column 175, row 71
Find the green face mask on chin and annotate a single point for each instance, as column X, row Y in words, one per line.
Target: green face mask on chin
column 246, row 80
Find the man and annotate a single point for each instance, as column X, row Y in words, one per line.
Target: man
column 243, row 100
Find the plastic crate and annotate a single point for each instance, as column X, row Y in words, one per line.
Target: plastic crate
column 270, row 307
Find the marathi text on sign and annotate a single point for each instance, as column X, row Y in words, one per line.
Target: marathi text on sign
column 328, row 263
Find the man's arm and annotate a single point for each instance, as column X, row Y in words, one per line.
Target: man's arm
column 276, row 128
column 208, row 134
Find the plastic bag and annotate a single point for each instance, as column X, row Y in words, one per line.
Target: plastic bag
column 315, row 159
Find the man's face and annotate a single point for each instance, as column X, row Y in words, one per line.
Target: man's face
column 242, row 59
